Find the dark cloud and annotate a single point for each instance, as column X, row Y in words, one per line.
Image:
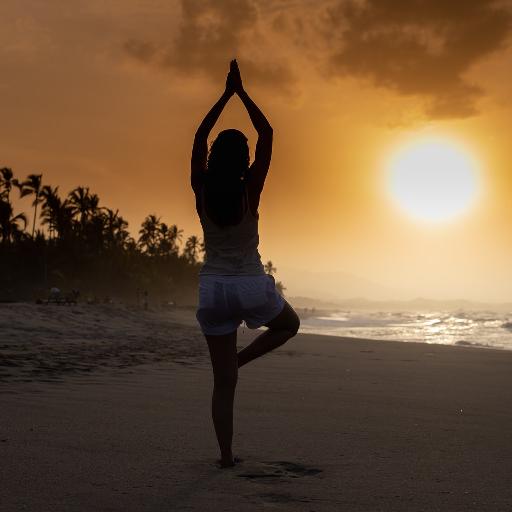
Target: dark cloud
column 422, row 48
column 417, row 47
column 210, row 34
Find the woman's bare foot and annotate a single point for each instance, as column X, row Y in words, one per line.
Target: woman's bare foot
column 228, row 462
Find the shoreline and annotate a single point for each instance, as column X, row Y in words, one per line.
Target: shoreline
column 456, row 345
column 23, row 325
column 48, row 343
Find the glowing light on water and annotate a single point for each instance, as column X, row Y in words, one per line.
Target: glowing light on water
column 464, row 328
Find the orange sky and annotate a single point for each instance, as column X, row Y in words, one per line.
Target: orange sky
column 109, row 93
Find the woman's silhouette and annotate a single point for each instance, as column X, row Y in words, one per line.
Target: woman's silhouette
column 233, row 286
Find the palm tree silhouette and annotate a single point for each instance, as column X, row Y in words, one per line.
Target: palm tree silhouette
column 170, row 236
column 31, row 186
column 150, row 234
column 164, row 243
column 6, row 181
column 51, row 204
column 81, row 206
column 10, row 229
column 269, row 268
column 115, row 228
column 280, row 287
column 176, row 236
column 192, row 248
column 93, row 204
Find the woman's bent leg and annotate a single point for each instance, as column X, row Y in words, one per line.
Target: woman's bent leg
column 283, row 327
column 225, row 372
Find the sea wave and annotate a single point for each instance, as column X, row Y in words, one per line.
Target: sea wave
column 464, row 343
column 484, row 329
column 507, row 326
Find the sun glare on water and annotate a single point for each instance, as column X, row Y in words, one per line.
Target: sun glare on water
column 433, row 180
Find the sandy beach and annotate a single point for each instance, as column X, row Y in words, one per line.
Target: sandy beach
column 107, row 408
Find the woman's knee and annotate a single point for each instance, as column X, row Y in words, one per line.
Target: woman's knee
column 287, row 320
column 290, row 323
column 294, row 324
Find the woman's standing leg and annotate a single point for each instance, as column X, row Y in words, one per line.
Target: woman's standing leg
column 225, row 372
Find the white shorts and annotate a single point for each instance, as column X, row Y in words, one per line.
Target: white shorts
column 227, row 301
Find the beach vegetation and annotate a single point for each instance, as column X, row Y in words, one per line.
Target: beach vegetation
column 75, row 242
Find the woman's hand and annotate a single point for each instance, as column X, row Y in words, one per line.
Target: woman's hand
column 234, row 80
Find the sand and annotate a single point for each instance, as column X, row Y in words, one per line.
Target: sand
column 106, row 408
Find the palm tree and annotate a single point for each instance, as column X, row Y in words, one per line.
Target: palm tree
column 6, row 181
column 192, row 248
column 63, row 219
column 175, row 235
column 122, row 235
column 90, row 217
column 55, row 212
column 280, row 287
column 164, row 244
column 79, row 200
column 31, row 186
column 170, row 236
column 269, row 268
column 150, row 234
column 116, row 232
column 10, row 229
column 93, row 205
column 51, row 203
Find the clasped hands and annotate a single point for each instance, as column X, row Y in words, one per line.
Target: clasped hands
column 234, row 80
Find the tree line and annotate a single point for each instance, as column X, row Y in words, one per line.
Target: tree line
column 80, row 244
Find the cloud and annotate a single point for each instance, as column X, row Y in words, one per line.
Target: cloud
column 417, row 47
column 210, row 34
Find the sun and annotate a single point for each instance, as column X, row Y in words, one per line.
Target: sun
column 433, row 180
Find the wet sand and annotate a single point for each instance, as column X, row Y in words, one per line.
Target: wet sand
column 106, row 408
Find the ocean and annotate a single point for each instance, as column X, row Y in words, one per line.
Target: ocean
column 482, row 329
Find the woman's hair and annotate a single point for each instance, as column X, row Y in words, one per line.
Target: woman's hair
column 227, row 166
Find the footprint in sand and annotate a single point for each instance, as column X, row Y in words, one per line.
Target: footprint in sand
column 281, row 469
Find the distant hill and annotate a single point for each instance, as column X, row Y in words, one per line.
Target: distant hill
column 341, row 290
column 308, row 302
column 418, row 304
column 335, row 286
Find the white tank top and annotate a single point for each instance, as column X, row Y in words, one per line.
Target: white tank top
column 231, row 250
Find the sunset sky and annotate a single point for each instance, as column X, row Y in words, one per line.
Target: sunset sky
column 108, row 94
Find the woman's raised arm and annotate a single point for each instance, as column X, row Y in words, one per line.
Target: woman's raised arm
column 200, row 147
column 263, row 154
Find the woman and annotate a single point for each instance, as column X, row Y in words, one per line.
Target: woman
column 233, row 286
